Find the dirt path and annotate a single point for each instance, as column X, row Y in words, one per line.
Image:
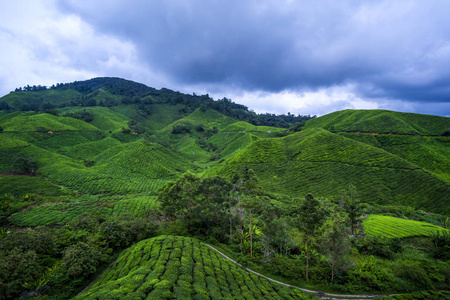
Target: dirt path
column 316, row 293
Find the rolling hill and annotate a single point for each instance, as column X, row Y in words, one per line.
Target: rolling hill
column 318, row 161
column 87, row 162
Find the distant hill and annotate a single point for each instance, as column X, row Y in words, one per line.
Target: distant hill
column 114, row 136
column 381, row 122
column 111, row 92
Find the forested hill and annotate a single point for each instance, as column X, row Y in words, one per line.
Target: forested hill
column 111, row 92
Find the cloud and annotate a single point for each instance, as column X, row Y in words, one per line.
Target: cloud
column 273, row 45
column 372, row 52
column 42, row 46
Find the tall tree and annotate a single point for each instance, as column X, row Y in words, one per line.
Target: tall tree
column 336, row 244
column 351, row 205
column 310, row 216
column 179, row 198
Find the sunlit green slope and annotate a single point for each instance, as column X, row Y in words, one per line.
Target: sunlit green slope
column 381, row 121
column 431, row 153
column 391, row 227
column 170, row 267
column 324, row 163
column 27, row 122
column 127, row 168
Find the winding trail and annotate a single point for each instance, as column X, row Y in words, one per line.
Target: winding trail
column 318, row 294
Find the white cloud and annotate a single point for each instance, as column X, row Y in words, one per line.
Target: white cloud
column 318, row 102
column 42, row 46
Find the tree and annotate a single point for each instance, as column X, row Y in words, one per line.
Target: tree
column 178, row 198
column 310, row 216
column 24, row 165
column 335, row 244
column 82, row 259
column 351, row 205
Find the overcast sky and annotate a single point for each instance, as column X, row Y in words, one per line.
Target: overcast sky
column 303, row 57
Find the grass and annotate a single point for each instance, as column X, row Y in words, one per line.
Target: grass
column 138, row 206
column 66, row 209
column 429, row 153
column 104, row 118
column 134, row 167
column 90, row 149
column 170, row 267
column 9, row 141
column 55, row 214
column 22, row 185
column 162, row 115
column 391, row 227
column 324, row 163
column 244, row 126
column 381, row 121
column 208, row 119
column 45, row 122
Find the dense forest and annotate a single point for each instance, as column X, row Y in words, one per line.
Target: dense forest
column 110, row 189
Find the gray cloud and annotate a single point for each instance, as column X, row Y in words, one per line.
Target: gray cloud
column 394, row 49
column 319, row 55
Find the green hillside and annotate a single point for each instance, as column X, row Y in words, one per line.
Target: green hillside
column 428, row 152
column 109, row 172
column 129, row 168
column 169, row 267
column 321, row 162
column 381, row 121
column 386, row 226
column 44, row 122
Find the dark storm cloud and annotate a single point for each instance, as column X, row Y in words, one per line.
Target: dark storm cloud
column 384, row 49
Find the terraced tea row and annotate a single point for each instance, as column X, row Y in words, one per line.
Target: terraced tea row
column 169, row 267
column 323, row 163
column 63, row 213
column 391, row 227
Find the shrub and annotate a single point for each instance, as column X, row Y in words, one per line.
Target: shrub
column 179, row 129
column 82, row 259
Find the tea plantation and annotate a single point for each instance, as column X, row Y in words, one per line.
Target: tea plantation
column 169, row 267
column 110, row 189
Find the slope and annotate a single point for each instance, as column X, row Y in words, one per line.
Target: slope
column 428, row 152
column 391, row 227
column 126, row 168
column 381, row 121
column 169, row 267
column 27, row 122
column 324, row 163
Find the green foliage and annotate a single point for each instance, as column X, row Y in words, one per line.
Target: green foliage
column 324, row 163
column 380, row 121
column 391, row 227
column 202, row 204
column 19, row 186
column 99, row 189
column 310, row 216
column 179, row 129
column 180, row 268
column 441, row 243
column 82, row 259
column 83, row 115
column 335, row 245
column 45, row 122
